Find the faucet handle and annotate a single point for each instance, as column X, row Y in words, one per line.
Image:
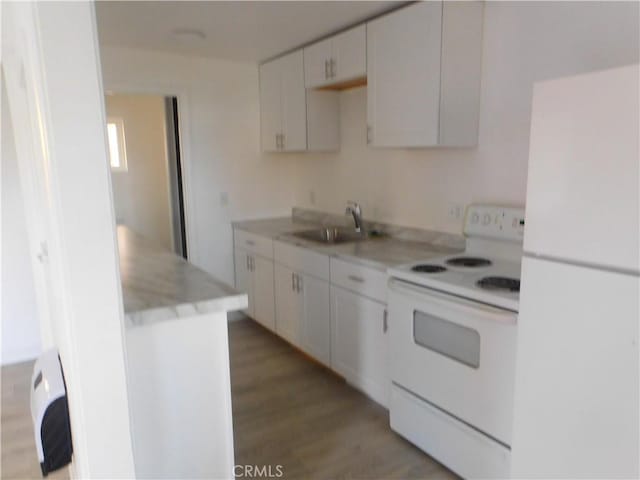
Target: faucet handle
column 353, row 207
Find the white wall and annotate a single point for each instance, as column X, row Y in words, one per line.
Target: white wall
column 220, row 106
column 20, row 326
column 141, row 193
column 523, row 43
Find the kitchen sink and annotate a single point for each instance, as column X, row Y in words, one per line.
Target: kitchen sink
column 331, row 235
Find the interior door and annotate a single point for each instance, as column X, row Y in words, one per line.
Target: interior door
column 350, row 54
column 359, row 348
column 270, row 105
column 403, row 76
column 294, row 109
column 288, row 305
column 244, row 278
column 576, row 395
column 316, row 326
column 263, row 292
column 316, row 63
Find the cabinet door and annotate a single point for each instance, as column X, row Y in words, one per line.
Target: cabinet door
column 244, row 277
column 403, row 76
column 263, row 292
column 350, row 54
column 316, row 318
column 359, row 343
column 316, row 64
column 288, row 305
column 294, row 109
column 270, row 105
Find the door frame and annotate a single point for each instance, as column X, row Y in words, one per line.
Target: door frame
column 184, row 131
column 46, row 64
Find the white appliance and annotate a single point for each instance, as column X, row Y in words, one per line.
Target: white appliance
column 50, row 413
column 452, row 327
column 576, row 399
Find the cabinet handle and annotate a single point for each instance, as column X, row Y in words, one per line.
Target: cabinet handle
column 355, row 278
column 369, row 134
column 299, row 284
column 332, row 67
column 253, row 264
column 277, row 141
column 282, row 141
column 326, row 69
column 385, row 321
column 247, row 261
column 293, row 282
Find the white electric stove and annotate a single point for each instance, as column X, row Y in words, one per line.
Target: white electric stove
column 452, row 334
column 488, row 270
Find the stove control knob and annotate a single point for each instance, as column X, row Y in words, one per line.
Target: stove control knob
column 486, row 220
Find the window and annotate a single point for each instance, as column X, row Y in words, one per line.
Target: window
column 117, row 148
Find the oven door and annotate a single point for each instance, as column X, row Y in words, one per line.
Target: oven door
column 456, row 354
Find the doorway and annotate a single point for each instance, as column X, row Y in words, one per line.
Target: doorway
column 146, row 167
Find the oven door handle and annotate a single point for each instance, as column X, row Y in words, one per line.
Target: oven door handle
column 450, row 301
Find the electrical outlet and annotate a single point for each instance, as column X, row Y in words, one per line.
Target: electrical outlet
column 455, row 211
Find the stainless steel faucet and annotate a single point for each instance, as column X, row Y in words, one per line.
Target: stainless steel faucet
column 354, row 209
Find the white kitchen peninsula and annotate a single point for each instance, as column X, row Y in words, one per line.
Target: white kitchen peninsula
column 177, row 362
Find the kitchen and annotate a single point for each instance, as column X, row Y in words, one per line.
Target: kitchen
column 467, row 164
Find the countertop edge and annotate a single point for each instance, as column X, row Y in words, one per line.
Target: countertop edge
column 151, row 316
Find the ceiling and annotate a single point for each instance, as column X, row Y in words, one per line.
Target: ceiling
column 249, row 31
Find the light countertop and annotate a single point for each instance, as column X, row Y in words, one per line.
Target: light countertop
column 159, row 285
column 400, row 246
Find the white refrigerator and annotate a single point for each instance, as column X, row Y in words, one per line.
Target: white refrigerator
column 577, row 376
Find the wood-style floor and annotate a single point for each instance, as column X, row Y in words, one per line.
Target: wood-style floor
column 287, row 411
column 290, row 411
column 19, row 459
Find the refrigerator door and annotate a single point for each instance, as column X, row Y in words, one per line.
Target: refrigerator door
column 576, row 396
column 582, row 194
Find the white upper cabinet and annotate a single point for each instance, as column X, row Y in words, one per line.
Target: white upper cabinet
column 270, row 106
column 338, row 59
column 423, row 75
column 288, row 112
column 294, row 109
column 316, row 63
column 283, row 108
column 350, row 55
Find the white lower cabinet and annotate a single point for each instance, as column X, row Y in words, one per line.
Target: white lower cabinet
column 316, row 319
column 332, row 309
column 263, row 295
column 254, row 275
column 302, row 312
column 244, row 277
column 288, row 305
column 359, row 349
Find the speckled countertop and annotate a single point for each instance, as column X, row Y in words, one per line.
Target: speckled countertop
column 399, row 245
column 159, row 285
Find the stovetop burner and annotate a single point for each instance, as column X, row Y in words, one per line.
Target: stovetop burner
column 499, row 283
column 426, row 268
column 469, row 262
